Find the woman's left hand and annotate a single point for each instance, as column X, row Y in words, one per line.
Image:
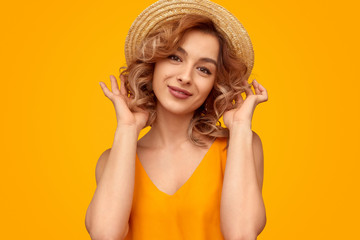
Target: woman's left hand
column 243, row 110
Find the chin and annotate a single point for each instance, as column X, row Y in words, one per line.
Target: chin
column 179, row 110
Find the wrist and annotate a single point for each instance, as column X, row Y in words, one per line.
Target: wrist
column 127, row 130
column 125, row 136
column 241, row 132
column 240, row 126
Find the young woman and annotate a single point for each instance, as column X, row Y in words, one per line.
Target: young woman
column 188, row 177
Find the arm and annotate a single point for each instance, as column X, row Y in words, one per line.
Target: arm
column 242, row 210
column 108, row 214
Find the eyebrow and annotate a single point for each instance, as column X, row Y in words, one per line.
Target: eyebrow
column 209, row 60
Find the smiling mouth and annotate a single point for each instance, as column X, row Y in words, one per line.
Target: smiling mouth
column 180, row 91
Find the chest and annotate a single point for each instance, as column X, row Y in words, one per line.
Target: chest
column 170, row 170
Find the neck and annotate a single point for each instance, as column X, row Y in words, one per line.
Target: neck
column 169, row 129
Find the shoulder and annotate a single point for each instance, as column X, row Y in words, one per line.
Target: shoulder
column 101, row 163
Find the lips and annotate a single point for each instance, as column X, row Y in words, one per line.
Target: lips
column 179, row 92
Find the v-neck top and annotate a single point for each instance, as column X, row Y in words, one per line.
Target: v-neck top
column 192, row 212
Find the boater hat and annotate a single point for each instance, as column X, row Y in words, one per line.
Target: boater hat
column 165, row 10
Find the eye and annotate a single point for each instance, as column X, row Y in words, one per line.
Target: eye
column 204, row 70
column 174, row 58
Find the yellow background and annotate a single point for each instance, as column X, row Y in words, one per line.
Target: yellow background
column 56, row 121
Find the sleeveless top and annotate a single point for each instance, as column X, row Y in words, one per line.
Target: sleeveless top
column 193, row 212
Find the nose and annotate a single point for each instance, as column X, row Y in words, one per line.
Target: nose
column 184, row 77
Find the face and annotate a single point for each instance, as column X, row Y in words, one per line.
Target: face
column 183, row 80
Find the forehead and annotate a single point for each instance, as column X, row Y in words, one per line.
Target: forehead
column 200, row 43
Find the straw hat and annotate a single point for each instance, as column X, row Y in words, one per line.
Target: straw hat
column 164, row 10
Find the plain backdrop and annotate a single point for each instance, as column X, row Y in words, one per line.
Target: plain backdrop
column 56, row 121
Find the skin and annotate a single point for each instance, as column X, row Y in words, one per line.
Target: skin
column 167, row 155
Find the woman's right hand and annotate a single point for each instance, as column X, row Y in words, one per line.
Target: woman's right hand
column 120, row 99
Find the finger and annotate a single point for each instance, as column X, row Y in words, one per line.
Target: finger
column 122, row 86
column 262, row 89
column 238, row 100
column 248, row 90
column 256, row 87
column 114, row 85
column 264, row 93
column 106, row 90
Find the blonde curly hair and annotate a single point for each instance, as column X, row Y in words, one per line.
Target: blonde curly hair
column 159, row 44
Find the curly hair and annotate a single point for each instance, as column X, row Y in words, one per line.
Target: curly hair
column 159, row 44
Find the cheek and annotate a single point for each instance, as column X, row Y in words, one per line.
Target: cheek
column 159, row 83
column 157, row 76
column 206, row 87
column 161, row 72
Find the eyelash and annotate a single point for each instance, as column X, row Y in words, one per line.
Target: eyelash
column 205, row 70
column 202, row 69
column 174, row 56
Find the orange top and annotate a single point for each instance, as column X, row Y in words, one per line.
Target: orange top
column 193, row 212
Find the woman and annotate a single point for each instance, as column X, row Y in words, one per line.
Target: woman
column 188, row 177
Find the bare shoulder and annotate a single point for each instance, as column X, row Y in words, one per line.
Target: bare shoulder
column 101, row 163
column 258, row 157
